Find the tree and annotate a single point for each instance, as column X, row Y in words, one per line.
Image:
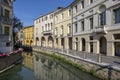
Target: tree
column 17, row 25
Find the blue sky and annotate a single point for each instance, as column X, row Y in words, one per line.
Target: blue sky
column 28, row 10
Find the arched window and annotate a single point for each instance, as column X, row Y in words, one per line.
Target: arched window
column 102, row 10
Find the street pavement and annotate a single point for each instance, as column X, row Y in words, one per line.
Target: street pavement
column 92, row 57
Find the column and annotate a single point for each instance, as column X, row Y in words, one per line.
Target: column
column 96, row 47
column 87, row 45
column 96, row 44
column 110, row 49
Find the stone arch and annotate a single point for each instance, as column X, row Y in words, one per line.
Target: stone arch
column 83, row 44
column 43, row 43
column 76, row 40
column 37, row 40
column 102, row 8
column 103, row 45
column 50, row 41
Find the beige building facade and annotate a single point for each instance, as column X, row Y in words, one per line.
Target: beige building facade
column 63, row 29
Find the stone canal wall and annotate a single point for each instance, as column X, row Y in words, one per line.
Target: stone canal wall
column 101, row 70
column 9, row 61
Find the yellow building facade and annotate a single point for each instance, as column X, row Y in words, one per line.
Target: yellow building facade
column 63, row 29
column 29, row 36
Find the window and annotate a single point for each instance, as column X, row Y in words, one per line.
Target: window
column 116, row 36
column 69, row 29
column 56, row 31
column 0, row 30
column 45, row 18
column 46, row 27
column 7, row 13
column 1, row 11
column 76, row 27
column 7, row 44
column 36, row 31
column 82, row 25
column 39, row 20
column 62, row 16
column 82, row 4
column 62, row 31
column 51, row 25
column 57, row 41
column 91, row 1
column 69, row 13
column 6, row 1
column 76, row 9
column 56, row 18
column 42, row 19
column 117, row 15
column 42, row 28
column 102, row 15
column 7, row 31
column 91, row 23
column 51, row 16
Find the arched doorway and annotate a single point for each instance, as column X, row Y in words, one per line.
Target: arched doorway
column 37, row 40
column 31, row 42
column 83, row 44
column 43, row 42
column 103, row 45
column 76, row 39
column 50, row 41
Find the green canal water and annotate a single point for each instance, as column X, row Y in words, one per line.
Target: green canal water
column 36, row 66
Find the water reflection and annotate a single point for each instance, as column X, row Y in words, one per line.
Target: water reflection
column 46, row 68
column 40, row 67
column 28, row 60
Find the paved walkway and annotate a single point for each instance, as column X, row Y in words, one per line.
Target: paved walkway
column 106, row 60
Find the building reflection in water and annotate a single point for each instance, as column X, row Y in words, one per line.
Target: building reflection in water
column 28, row 60
column 46, row 68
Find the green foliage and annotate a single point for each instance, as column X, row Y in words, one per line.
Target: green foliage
column 17, row 25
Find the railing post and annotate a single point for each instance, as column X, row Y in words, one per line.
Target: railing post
column 84, row 55
column 67, row 51
column 99, row 58
column 62, row 49
column 75, row 52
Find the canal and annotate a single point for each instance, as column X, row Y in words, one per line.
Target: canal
column 36, row 66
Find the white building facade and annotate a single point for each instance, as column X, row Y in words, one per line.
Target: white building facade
column 43, row 30
column 96, row 26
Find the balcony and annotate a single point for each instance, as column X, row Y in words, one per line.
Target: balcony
column 5, row 20
column 61, row 35
column 49, row 32
column 69, row 34
column 6, row 4
column 56, row 36
column 5, row 38
column 99, row 30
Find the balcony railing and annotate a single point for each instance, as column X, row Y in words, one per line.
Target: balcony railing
column 101, row 29
column 61, row 35
column 5, row 20
column 6, row 4
column 5, row 38
column 56, row 36
column 49, row 32
column 69, row 34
